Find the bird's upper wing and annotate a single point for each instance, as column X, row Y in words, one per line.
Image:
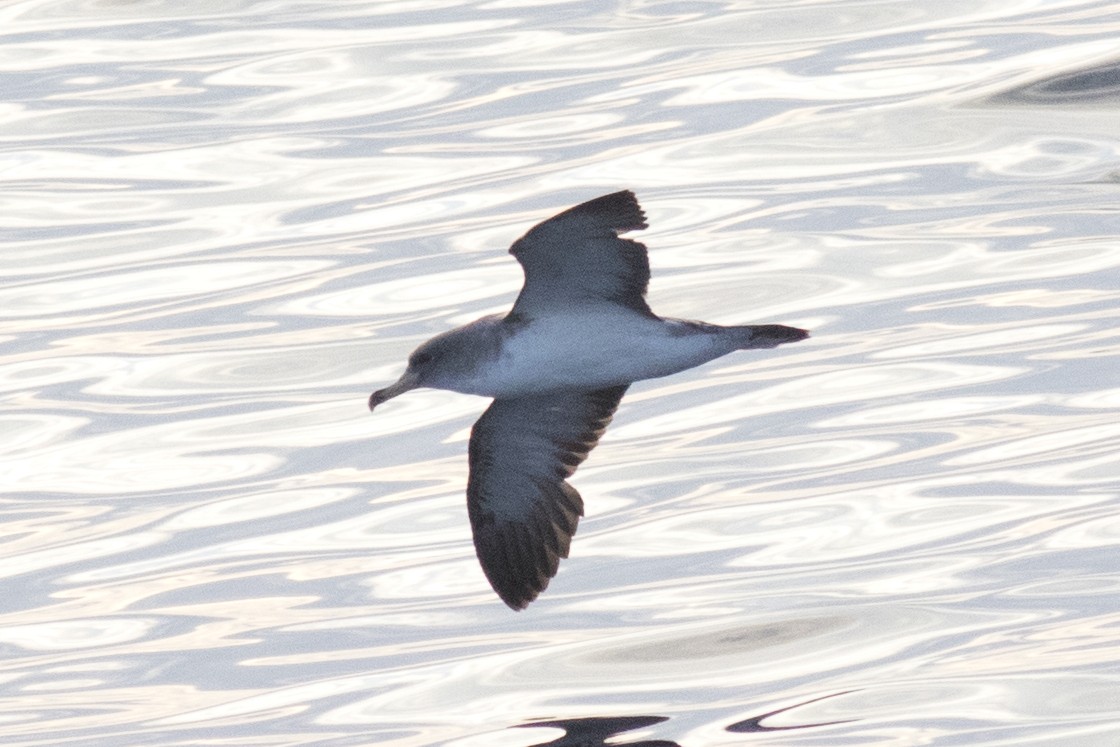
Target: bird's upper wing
column 523, row 512
column 576, row 258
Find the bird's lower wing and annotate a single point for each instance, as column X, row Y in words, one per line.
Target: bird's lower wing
column 523, row 512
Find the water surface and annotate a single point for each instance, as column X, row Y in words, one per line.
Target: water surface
column 224, row 224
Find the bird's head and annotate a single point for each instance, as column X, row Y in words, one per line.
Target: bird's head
column 438, row 363
column 419, row 364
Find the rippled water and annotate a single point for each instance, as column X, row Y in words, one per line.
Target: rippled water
column 224, row 224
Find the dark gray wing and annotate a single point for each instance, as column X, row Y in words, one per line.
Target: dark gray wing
column 576, row 258
column 523, row 512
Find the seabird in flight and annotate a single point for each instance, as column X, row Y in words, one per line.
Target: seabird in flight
column 556, row 367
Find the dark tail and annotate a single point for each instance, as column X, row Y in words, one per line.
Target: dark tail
column 768, row 335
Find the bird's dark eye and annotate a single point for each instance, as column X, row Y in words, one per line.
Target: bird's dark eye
column 421, row 358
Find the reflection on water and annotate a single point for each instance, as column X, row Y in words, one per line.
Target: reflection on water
column 1084, row 86
column 759, row 723
column 223, row 225
column 594, row 732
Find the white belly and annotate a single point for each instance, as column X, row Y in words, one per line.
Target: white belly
column 594, row 351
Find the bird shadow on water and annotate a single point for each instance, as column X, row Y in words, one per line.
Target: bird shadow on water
column 595, row 731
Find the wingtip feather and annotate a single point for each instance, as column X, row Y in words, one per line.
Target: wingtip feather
column 620, row 210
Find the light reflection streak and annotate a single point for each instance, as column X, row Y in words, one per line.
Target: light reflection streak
column 52, row 298
column 75, row 634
